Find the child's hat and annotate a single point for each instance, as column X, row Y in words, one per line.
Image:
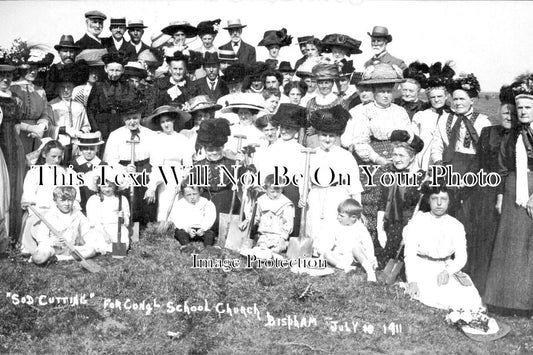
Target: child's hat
column 89, row 140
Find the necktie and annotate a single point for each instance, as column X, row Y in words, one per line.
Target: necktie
column 134, row 133
column 212, row 83
column 235, row 44
column 70, row 121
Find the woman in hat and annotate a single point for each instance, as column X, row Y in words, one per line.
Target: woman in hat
column 313, row 54
column 136, row 74
column 415, row 79
column 170, row 150
column 180, row 32
column 212, row 136
column 175, row 88
column 93, row 59
column 509, row 287
column 207, row 32
column 334, row 175
column 425, row 122
column 36, row 117
column 295, row 91
column 13, row 153
column 310, row 81
column 341, row 48
column 326, row 76
column 273, row 41
column 398, row 202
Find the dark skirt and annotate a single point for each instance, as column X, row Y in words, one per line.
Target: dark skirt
column 510, row 277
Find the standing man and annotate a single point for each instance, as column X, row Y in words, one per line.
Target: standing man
column 245, row 52
column 95, row 24
column 116, row 42
column 67, row 50
column 380, row 38
column 136, row 30
column 211, row 85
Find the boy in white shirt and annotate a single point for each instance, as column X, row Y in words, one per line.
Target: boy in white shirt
column 352, row 242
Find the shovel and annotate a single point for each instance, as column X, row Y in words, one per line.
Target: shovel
column 392, row 269
column 166, row 224
column 119, row 249
column 302, row 247
column 134, row 227
column 86, row 264
column 227, row 219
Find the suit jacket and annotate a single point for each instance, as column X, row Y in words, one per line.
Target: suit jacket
column 87, row 42
column 201, row 87
column 143, row 47
column 387, row 59
column 126, row 48
column 246, row 53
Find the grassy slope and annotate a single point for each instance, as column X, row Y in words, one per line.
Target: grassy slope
column 157, row 269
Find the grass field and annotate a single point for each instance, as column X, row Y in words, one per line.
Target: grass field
column 132, row 306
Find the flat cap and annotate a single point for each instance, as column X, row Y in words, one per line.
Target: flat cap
column 95, row 14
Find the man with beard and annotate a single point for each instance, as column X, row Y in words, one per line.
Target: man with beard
column 245, row 52
column 380, row 38
column 67, row 50
column 211, row 85
column 116, row 42
column 136, row 30
column 95, row 24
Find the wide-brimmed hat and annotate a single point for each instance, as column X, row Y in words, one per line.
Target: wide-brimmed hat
column 210, row 58
column 235, row 73
column 234, row 23
column 330, row 120
column 202, row 102
column 227, row 55
column 89, row 140
column 93, row 57
column 158, row 39
column 189, row 30
column 6, row 68
column 343, row 41
column 291, row 115
column 325, row 72
column 381, row 32
column 213, row 133
column 133, row 69
column 276, row 37
column 35, row 55
column 66, row 41
column 400, row 135
column 305, row 39
column 135, row 24
column 180, row 116
column 95, row 14
column 247, row 100
column 208, row 27
column 150, row 57
column 285, row 67
column 76, row 73
column 382, row 74
column 115, row 57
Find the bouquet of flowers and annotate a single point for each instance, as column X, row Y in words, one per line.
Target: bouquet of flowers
column 473, row 322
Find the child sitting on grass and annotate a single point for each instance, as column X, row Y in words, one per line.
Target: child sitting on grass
column 193, row 216
column 275, row 217
column 351, row 241
column 73, row 226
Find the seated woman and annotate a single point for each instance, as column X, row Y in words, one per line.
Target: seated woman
column 431, row 240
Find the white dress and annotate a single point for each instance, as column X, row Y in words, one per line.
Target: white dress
column 103, row 217
column 327, row 191
column 424, row 125
column 429, row 237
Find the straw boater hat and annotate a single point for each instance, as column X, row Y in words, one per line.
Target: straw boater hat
column 234, row 23
column 89, row 140
column 118, row 21
column 382, row 74
column 350, row 45
column 291, row 115
column 180, row 117
column 227, row 56
column 189, row 30
column 381, row 32
column 247, row 100
column 325, row 72
column 330, row 120
column 66, row 42
column 136, row 24
column 135, row 69
column 208, row 27
column 276, row 37
column 202, row 102
column 213, row 133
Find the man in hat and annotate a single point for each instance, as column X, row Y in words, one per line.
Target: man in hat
column 302, row 42
column 380, row 38
column 136, row 30
column 118, row 153
column 116, row 42
column 174, row 88
column 94, row 21
column 245, row 52
column 67, row 50
column 211, row 85
column 226, row 58
column 105, row 103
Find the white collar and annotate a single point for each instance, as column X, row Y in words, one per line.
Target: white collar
column 94, row 37
column 118, row 44
column 6, row 93
column 81, row 160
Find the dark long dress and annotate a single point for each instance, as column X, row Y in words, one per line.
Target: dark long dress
column 509, row 287
column 13, row 150
column 486, row 218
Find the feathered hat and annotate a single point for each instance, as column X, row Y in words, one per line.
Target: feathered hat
column 467, row 83
column 330, row 120
column 349, row 44
column 276, row 37
column 213, row 133
column 523, row 87
column 23, row 55
column 417, row 71
column 208, row 27
column 439, row 76
column 115, row 57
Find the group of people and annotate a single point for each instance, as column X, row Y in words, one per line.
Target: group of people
column 199, row 120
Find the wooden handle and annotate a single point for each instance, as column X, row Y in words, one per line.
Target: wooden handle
column 307, row 152
column 120, row 219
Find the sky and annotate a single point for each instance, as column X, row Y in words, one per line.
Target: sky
column 491, row 39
